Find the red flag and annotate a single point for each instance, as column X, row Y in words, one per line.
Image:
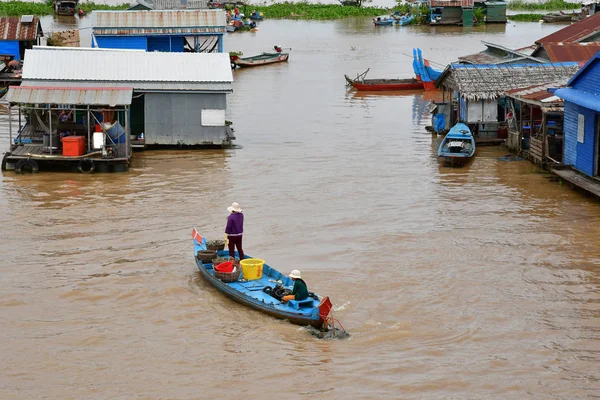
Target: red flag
column 196, row 235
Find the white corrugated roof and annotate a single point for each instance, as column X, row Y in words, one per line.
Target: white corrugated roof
column 160, row 19
column 136, row 69
column 78, row 96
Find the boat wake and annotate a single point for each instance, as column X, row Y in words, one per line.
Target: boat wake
column 330, row 334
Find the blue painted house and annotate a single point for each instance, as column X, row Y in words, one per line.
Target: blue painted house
column 18, row 34
column 173, row 31
column 582, row 119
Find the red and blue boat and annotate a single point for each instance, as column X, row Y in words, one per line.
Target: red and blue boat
column 258, row 293
column 424, row 72
column 362, row 84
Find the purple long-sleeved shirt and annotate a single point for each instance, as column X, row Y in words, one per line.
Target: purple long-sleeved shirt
column 235, row 224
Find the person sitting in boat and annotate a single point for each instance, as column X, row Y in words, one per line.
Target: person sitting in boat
column 299, row 291
column 277, row 48
column 235, row 229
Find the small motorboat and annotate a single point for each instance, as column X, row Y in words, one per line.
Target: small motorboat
column 457, row 147
column 263, row 294
column 360, row 83
column 405, row 20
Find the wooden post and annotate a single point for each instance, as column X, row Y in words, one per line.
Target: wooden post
column 520, row 127
column 9, row 127
column 543, row 137
column 127, row 133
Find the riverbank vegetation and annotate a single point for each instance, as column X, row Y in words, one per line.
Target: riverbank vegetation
column 317, row 11
column 17, row 8
column 525, row 17
column 548, row 5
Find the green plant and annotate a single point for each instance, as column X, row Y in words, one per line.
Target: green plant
column 235, row 53
column 479, row 15
column 525, row 17
column 551, row 5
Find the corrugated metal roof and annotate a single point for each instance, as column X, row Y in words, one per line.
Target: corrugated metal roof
column 63, row 95
column 11, row 28
column 539, row 95
column 580, row 97
column 496, row 54
column 571, row 51
column 136, row 69
column 451, row 3
column 180, row 4
column 575, row 32
column 140, row 22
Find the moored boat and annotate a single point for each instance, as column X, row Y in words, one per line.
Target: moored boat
column 262, row 59
column 262, row 294
column 423, row 71
column 405, row 20
column 383, row 21
column 360, row 83
column 458, row 146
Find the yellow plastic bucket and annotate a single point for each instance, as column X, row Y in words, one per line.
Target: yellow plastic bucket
column 252, row 268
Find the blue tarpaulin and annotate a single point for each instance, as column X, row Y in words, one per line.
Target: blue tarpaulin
column 10, row 47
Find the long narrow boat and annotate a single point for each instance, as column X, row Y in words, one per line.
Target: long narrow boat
column 423, row 71
column 458, row 146
column 405, row 20
column 362, row 84
column 263, row 59
column 313, row 311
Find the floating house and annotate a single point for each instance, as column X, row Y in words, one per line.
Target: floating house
column 577, row 42
column 451, row 12
column 173, row 31
column 479, row 94
column 582, row 127
column 497, row 54
column 535, row 122
column 63, row 127
column 180, row 101
column 494, row 11
column 18, row 34
column 169, row 5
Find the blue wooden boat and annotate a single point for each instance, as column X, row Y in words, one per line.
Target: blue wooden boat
column 458, row 146
column 405, row 20
column 383, row 21
column 314, row 311
column 423, row 71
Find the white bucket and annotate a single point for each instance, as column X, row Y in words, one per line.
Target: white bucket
column 98, row 140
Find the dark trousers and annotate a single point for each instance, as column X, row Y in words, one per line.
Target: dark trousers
column 235, row 241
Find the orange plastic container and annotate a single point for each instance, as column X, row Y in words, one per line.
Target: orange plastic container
column 73, row 145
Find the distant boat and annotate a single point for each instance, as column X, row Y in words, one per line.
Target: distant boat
column 383, row 21
column 257, row 15
column 458, row 146
column 405, row 20
column 360, row 83
column 256, row 61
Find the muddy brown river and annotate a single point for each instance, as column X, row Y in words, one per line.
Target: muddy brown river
column 479, row 282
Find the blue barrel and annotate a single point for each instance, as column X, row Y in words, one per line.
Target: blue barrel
column 116, row 133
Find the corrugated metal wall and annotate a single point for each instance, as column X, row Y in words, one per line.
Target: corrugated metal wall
column 172, row 44
column 496, row 12
column 175, row 118
column 580, row 155
column 122, row 42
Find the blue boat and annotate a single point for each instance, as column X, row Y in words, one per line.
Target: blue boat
column 423, row 71
column 405, row 20
column 314, row 311
column 458, row 146
column 383, row 21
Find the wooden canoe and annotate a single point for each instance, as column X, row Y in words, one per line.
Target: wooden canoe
column 309, row 312
column 384, row 84
column 263, row 59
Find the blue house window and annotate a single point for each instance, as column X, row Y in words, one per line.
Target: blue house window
column 580, row 128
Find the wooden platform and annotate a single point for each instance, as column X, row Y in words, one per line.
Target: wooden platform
column 488, row 141
column 580, row 180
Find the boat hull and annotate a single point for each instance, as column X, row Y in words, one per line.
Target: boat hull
column 261, row 60
column 453, row 161
column 384, row 84
column 313, row 320
column 457, row 147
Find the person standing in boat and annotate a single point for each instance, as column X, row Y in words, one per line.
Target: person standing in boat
column 299, row 291
column 235, row 229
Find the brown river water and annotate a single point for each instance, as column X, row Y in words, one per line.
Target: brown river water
column 472, row 283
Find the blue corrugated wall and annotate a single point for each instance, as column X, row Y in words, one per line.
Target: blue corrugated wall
column 10, row 47
column 171, row 44
column 589, row 80
column 122, row 42
column 580, row 155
